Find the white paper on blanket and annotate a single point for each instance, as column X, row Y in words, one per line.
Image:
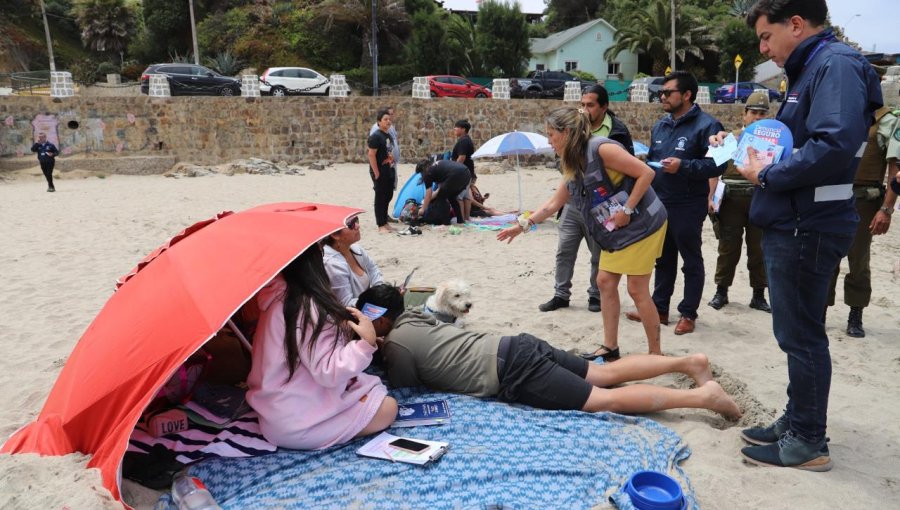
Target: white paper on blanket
column 724, row 152
column 718, row 194
column 379, row 448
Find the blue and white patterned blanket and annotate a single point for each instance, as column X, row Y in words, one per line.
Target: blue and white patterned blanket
column 501, row 457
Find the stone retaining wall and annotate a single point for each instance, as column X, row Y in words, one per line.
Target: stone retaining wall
column 293, row 129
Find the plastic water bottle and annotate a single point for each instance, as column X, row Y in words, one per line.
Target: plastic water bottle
column 189, row 493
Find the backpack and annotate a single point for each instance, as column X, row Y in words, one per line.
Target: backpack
column 600, row 200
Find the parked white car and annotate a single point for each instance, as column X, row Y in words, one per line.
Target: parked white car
column 284, row 81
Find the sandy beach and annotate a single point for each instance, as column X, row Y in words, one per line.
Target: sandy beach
column 63, row 251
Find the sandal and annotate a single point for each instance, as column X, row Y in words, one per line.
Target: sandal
column 602, row 352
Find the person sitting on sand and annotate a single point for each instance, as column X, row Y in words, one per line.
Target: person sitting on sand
column 307, row 382
column 419, row 350
column 479, row 209
column 350, row 269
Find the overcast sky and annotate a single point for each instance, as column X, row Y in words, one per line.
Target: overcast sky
column 875, row 27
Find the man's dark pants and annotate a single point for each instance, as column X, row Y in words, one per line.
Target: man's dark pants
column 384, row 192
column 799, row 268
column 734, row 221
column 858, row 282
column 47, row 168
column 682, row 238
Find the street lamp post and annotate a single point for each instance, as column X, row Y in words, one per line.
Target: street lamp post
column 49, row 42
column 672, row 49
column 194, row 32
column 374, row 49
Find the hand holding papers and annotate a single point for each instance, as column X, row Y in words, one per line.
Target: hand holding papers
column 724, row 152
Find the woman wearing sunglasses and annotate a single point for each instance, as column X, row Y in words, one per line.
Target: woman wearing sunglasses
column 350, row 269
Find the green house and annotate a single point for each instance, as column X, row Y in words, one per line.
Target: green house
column 581, row 48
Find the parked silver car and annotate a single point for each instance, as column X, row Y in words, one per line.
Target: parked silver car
column 284, row 81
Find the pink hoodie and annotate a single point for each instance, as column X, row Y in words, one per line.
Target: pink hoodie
column 320, row 405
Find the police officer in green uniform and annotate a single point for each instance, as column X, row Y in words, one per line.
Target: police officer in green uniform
column 875, row 204
column 733, row 220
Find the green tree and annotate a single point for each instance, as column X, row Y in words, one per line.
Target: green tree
column 441, row 42
column 648, row 32
column 501, row 38
column 166, row 30
column 565, row 14
column 106, row 25
column 390, row 16
column 738, row 39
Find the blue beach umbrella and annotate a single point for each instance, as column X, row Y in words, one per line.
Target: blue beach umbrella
column 514, row 144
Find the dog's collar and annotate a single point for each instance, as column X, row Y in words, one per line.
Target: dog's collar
column 443, row 317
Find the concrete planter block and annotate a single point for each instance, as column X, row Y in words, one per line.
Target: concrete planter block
column 250, row 85
column 338, row 87
column 572, row 92
column 500, row 89
column 420, row 88
column 159, row 86
column 61, row 84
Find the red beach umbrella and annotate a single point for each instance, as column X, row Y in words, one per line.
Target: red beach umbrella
column 165, row 309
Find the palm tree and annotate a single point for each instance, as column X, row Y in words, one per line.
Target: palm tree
column 741, row 8
column 106, row 25
column 391, row 19
column 648, row 32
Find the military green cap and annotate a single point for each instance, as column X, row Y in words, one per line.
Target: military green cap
column 758, row 100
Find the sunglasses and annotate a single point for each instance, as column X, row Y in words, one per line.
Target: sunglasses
column 667, row 92
column 353, row 223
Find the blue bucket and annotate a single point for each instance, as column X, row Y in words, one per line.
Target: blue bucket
column 652, row 490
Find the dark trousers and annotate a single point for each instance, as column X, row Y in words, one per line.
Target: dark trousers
column 682, row 238
column 800, row 268
column 47, row 168
column 858, row 282
column 445, row 198
column 384, row 192
column 734, row 221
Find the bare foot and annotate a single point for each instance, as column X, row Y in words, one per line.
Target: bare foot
column 719, row 401
column 384, row 229
column 698, row 368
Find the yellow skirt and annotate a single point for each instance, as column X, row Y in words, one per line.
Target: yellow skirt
column 637, row 259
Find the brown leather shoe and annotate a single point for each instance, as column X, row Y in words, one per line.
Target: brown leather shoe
column 633, row 316
column 684, row 326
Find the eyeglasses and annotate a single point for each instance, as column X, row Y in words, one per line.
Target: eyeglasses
column 666, row 92
column 353, row 223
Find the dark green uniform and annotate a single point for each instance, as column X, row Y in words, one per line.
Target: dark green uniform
column 733, row 222
column 868, row 189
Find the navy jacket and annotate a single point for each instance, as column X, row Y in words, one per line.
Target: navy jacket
column 687, row 139
column 829, row 108
column 46, row 151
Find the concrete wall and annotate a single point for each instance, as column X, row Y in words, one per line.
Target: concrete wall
column 293, row 129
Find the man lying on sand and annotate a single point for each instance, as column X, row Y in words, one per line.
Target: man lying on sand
column 418, row 350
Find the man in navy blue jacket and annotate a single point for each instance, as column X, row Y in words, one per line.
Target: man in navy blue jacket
column 46, row 153
column 679, row 141
column 805, row 206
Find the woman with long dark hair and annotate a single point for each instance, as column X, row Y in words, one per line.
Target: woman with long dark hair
column 569, row 132
column 307, row 381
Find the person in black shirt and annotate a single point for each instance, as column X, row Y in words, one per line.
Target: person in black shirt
column 382, row 168
column 462, row 153
column 452, row 178
column 46, row 153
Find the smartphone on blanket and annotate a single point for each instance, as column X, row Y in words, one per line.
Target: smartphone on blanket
column 408, row 445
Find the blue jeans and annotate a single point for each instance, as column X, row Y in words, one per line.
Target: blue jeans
column 800, row 268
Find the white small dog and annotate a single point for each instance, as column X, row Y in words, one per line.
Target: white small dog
column 452, row 299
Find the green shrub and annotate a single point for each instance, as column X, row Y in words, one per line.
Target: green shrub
column 85, row 71
column 360, row 78
column 583, row 75
column 107, row 68
column 132, row 72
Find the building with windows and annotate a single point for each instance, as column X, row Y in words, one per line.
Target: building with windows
column 582, row 48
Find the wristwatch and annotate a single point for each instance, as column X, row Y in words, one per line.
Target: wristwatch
column 887, row 210
column 627, row 210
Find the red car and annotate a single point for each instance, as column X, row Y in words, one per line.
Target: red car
column 455, row 86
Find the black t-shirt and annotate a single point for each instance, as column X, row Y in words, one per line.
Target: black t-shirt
column 444, row 171
column 464, row 147
column 384, row 146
